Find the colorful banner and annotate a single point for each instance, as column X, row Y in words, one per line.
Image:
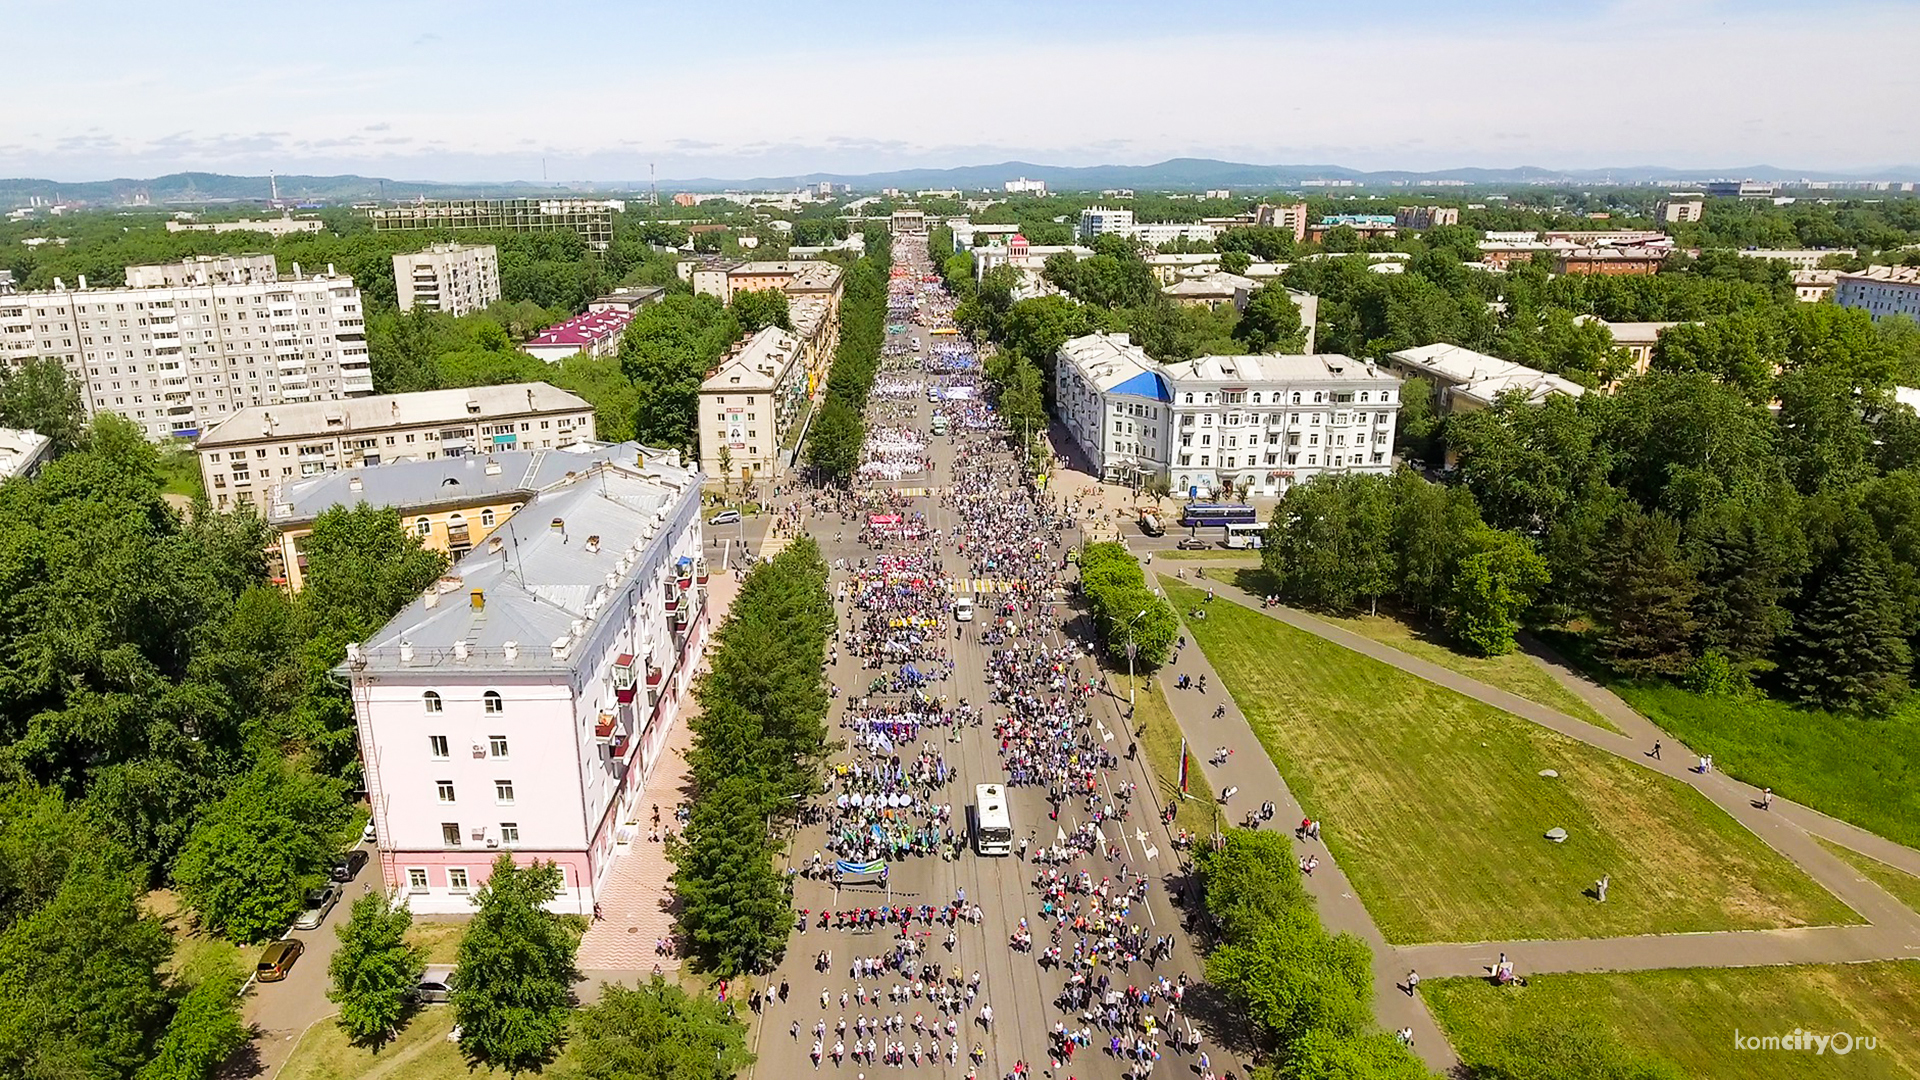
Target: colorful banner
column 874, row 867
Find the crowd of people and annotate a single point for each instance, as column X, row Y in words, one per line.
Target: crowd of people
column 900, row 997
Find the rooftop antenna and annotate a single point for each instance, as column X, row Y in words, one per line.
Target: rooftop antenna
column 273, row 185
column 653, row 181
column 543, row 170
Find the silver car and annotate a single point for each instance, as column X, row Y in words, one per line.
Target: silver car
column 319, row 902
column 436, row 983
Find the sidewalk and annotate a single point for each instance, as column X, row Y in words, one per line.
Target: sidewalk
column 1253, row 772
column 1788, row 828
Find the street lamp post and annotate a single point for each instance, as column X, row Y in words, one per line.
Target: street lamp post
column 1130, row 652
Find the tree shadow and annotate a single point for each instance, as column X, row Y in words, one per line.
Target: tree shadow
column 244, row 1062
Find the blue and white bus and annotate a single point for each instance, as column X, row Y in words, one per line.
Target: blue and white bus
column 1201, row 514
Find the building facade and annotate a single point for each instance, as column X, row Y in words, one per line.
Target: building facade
column 251, row 453
column 1467, row 381
column 451, row 504
column 596, row 332
column 1256, row 423
column 751, row 403
column 591, row 218
column 1289, row 216
column 1426, row 217
column 1881, row 291
column 521, row 703
column 458, row 279
column 1681, row 206
column 196, row 341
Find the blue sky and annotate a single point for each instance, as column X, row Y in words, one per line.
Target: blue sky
column 422, row 89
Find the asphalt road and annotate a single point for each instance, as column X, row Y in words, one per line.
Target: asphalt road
column 1020, row 992
column 281, row 1012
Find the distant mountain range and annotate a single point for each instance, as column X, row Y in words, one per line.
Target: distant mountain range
column 1178, row 174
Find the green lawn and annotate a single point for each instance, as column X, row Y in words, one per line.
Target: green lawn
column 180, row 472
column 1904, row 886
column 1219, row 554
column 1159, row 736
column 1690, row 1016
column 421, row 1052
column 1860, row 770
column 1433, row 803
column 194, row 950
column 440, row 940
column 1516, row 673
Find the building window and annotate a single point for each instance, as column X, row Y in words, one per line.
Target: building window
column 431, row 700
column 457, row 878
column 450, row 833
column 416, row 879
column 497, row 745
column 423, row 526
column 509, row 833
column 492, row 699
column 446, row 790
column 503, row 792
column 486, row 517
column 438, row 744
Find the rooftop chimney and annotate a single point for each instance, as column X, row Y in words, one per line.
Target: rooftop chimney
column 354, row 483
column 478, row 598
column 460, row 650
column 83, row 281
column 406, row 651
column 431, row 598
column 511, row 648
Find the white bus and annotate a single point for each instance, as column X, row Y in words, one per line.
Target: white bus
column 992, row 822
column 1240, row 537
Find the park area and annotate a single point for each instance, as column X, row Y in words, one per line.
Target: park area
column 1436, row 805
column 1690, row 1017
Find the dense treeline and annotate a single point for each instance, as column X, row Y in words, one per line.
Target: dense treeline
column 1308, row 993
column 758, row 741
column 837, row 434
column 166, row 718
column 1125, row 608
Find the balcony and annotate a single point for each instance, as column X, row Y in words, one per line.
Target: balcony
column 700, row 571
column 604, row 727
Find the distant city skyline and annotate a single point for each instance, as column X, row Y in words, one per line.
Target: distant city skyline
column 590, row 90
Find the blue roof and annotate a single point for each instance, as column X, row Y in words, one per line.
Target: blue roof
column 1147, row 384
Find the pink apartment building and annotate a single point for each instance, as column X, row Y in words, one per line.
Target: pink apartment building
column 521, row 703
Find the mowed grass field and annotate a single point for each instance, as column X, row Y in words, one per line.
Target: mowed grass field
column 1159, row 736
column 1904, row 886
column 1516, row 672
column 1434, row 806
column 1690, row 1016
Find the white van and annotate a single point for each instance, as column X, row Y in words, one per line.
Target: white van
column 963, row 610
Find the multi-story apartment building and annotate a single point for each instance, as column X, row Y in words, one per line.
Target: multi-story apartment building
column 284, row 225
column 1681, row 206
column 1881, row 291
column 1291, row 216
column 184, row 346
column 254, row 451
column 1467, row 381
column 750, row 403
column 23, row 453
column 595, row 332
column 1797, row 258
column 591, row 218
column 521, row 703
column 798, row 279
column 1098, row 221
column 1263, row 423
column 458, row 279
column 451, row 504
column 1426, row 217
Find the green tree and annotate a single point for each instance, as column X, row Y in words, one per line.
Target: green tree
column 666, row 352
column 40, row 396
column 734, row 911
column 1847, row 647
column 1235, row 262
column 363, row 566
column 834, row 440
column 1651, row 592
column 513, row 989
column 204, row 1032
column 1271, row 322
column 253, row 856
column 657, row 1032
column 757, row 309
column 1494, row 583
column 374, row 971
column 81, row 976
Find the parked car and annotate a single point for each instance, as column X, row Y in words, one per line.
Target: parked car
column 436, row 983
column 725, row 517
column 278, row 960
column 367, row 835
column 347, row 867
column 319, row 902
column 1193, row 543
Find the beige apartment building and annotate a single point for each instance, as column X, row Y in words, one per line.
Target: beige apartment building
column 458, row 279
column 182, row 347
column 750, row 403
column 252, row 453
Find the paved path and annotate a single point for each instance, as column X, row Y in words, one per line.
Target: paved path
column 1253, row 772
column 1893, row 931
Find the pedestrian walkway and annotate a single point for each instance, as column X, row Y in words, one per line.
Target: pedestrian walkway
column 1893, row 931
column 636, row 899
column 1252, row 771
